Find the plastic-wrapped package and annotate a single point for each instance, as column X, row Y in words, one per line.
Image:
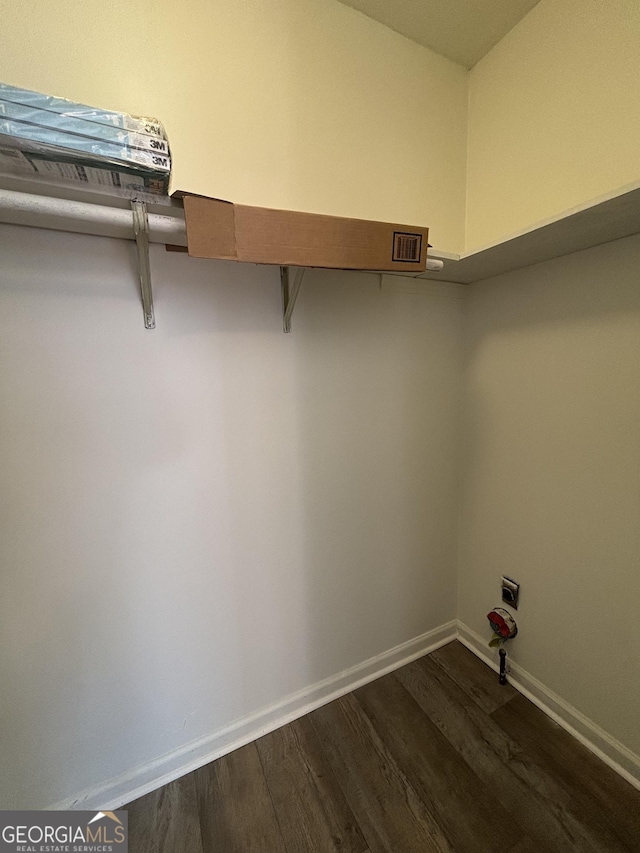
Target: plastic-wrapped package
column 68, row 170
column 45, row 140
column 124, row 121
column 80, row 127
column 49, row 138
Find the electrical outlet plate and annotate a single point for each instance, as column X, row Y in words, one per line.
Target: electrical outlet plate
column 510, row 592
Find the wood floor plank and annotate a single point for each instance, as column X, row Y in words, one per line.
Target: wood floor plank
column 310, row 806
column 606, row 803
column 390, row 768
column 527, row 790
column 477, row 680
column 390, row 814
column 236, row 813
column 468, row 813
column 525, row 845
column 166, row 820
column 469, row 729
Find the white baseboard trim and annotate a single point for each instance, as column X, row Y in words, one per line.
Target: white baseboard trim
column 146, row 778
column 607, row 748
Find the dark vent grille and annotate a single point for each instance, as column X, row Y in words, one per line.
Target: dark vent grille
column 407, row 247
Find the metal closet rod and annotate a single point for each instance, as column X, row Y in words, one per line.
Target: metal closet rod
column 81, row 217
column 133, row 223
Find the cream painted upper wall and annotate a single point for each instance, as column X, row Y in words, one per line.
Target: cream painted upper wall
column 299, row 104
column 554, row 115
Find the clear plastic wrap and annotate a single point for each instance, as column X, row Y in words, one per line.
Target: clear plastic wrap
column 124, row 121
column 50, row 138
column 80, row 127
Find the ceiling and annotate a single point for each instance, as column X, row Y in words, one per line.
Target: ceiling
column 461, row 30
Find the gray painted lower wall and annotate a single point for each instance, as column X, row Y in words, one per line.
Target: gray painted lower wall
column 551, row 474
column 202, row 520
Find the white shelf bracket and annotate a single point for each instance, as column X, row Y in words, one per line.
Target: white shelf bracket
column 289, row 294
column 141, row 231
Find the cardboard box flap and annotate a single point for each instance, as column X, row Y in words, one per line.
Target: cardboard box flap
column 211, row 231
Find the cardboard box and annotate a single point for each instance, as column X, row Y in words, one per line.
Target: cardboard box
column 220, row 229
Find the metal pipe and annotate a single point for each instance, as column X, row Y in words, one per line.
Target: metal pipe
column 503, row 666
column 81, row 217
column 103, row 220
column 435, row 264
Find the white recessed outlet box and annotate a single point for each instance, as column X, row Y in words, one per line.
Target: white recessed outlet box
column 510, row 592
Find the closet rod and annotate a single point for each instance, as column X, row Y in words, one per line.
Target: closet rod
column 81, row 217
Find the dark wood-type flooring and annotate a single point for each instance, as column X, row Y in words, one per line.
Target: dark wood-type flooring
column 434, row 757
